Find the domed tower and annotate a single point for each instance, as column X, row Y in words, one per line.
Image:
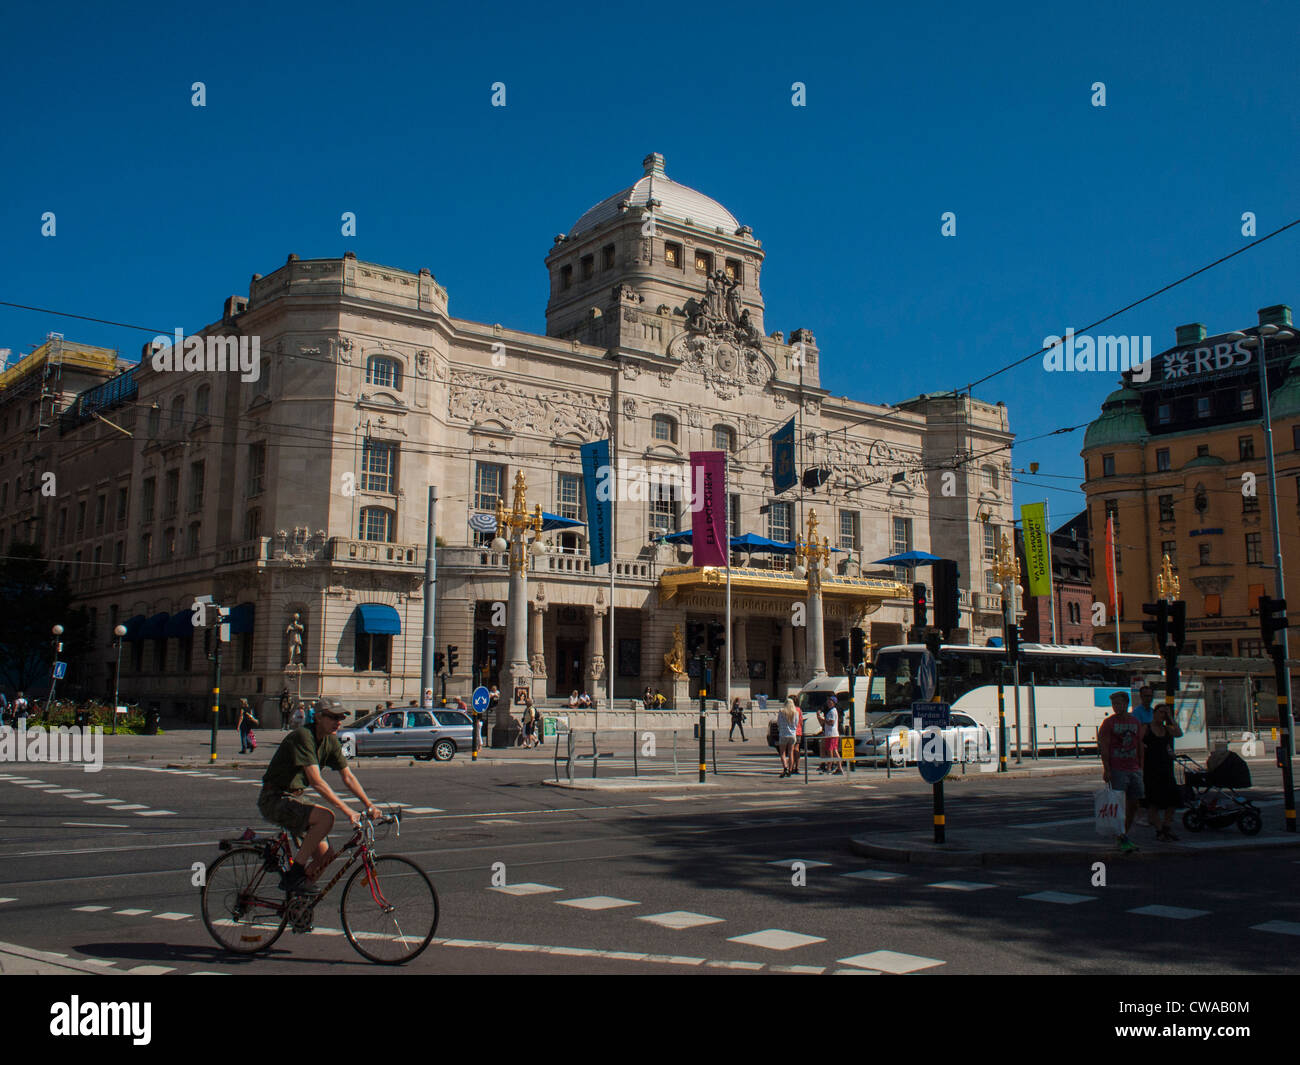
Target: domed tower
column 652, row 261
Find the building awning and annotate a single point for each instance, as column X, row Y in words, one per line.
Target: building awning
column 241, row 619
column 156, row 627
column 181, row 625
column 135, row 627
column 865, row 594
column 378, row 619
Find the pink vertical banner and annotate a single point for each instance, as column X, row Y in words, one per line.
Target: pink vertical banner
column 709, row 507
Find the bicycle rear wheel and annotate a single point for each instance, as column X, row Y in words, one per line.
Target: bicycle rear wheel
column 242, row 910
column 390, row 916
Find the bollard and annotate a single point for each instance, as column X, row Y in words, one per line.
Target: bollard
column 1076, row 742
column 595, row 757
column 713, row 738
column 569, row 745
column 674, row 752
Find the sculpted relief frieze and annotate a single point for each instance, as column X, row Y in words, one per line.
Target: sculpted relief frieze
column 546, row 412
column 859, row 464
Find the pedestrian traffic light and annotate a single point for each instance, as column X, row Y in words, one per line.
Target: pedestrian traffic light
column 857, row 646
column 439, row 662
column 1013, row 641
column 1159, row 626
column 1178, row 623
column 1272, row 617
column 453, row 659
column 919, row 612
column 695, row 638
column 717, row 638
column 842, row 650
column 947, row 608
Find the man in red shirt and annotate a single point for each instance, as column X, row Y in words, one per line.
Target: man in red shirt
column 1119, row 742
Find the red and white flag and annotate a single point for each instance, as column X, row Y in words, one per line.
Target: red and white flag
column 1110, row 563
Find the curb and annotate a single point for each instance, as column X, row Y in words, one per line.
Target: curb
column 633, row 784
column 53, row 961
column 910, row 856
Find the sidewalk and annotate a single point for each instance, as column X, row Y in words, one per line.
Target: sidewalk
column 23, row 961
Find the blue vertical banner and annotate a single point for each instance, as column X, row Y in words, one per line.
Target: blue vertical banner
column 783, row 475
column 597, row 486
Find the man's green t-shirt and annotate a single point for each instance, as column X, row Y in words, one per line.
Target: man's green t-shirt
column 297, row 751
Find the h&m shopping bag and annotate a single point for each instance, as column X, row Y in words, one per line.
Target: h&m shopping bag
column 1108, row 811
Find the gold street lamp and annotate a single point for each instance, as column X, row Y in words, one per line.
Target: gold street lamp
column 1167, row 582
column 516, row 522
column 809, row 555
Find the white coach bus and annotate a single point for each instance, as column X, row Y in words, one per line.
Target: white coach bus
column 1071, row 686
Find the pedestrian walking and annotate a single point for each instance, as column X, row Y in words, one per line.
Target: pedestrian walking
column 530, row 719
column 829, row 718
column 299, row 716
column 798, row 735
column 1158, row 771
column 244, row 724
column 648, row 698
column 286, row 705
column 20, row 711
column 4, row 709
column 787, row 735
column 737, row 721
column 1119, row 742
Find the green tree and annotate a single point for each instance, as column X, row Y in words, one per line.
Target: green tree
column 42, row 599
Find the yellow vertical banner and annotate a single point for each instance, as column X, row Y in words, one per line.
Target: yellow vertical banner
column 1038, row 551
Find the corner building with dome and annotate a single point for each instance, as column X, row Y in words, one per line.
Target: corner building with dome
column 311, row 490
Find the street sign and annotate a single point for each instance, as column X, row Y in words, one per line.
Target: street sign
column 427, row 703
column 927, row 675
column 60, row 668
column 480, row 699
column 847, row 748
column 932, row 716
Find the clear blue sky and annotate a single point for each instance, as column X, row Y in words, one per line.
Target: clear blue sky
column 1065, row 211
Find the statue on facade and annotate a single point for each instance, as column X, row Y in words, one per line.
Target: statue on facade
column 675, row 660
column 294, row 632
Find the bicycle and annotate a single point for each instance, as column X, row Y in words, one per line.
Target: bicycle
column 389, row 907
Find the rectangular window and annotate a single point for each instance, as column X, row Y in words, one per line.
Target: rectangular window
column 1213, row 609
column 256, row 468
column 196, row 486
column 569, row 496
column 489, row 486
column 1112, row 513
column 119, row 553
column 1253, row 594
column 733, row 515
column 1108, row 465
column 253, row 524
column 1202, row 406
column 81, row 519
column 1247, row 398
column 1245, row 447
column 990, row 582
column 147, row 499
column 607, row 257
column 192, row 548
column 780, row 522
column 172, row 493
column 376, row 524
column 673, row 255
column 1250, row 504
column 734, row 270
column 1164, row 414
column 1250, row 649
column 101, row 511
column 1170, row 548
column 1254, row 549
column 1162, row 460
column 1202, row 450
column 121, row 505
column 703, row 262
column 146, row 549
column 169, row 543
column 663, row 508
column 1203, row 554
column 901, row 540
column 1216, row 648
column 372, row 653
column 566, row 276
column 1166, row 508
column 992, row 540
column 849, row 530
column 588, row 267
column 379, row 467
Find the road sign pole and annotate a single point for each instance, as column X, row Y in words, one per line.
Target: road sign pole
column 704, row 691
column 216, row 693
column 1278, row 651
column 938, row 812
column 853, row 762
column 1002, row 726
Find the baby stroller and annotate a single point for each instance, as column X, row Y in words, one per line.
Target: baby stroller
column 1212, row 801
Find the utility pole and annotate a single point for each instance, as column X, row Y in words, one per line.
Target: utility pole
column 430, row 604
column 223, row 634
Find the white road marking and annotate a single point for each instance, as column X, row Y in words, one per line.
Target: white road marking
column 421, row 810
column 1054, row 824
column 88, row 909
column 595, row 902
column 150, row 970
column 130, row 806
column 807, row 970
column 679, row 919
column 155, row 813
column 1064, row 898
column 808, row 863
column 875, row 874
column 102, row 802
column 1287, row 928
column 891, row 961
column 2, row 900
column 91, row 824
column 65, row 791
column 776, row 939
column 1177, row 913
column 962, row 885
column 129, row 913
column 173, row 916
column 525, row 889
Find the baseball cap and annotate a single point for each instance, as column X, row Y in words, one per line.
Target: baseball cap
column 331, row 707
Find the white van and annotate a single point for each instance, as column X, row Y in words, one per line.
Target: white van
column 812, row 700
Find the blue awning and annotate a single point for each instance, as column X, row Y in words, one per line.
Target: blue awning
column 241, row 619
column 135, row 627
column 155, row 628
column 378, row 619
column 181, row 625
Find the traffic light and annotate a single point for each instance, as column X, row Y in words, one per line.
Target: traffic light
column 857, row 646
column 694, row 639
column 1272, row 616
column 453, row 658
column 947, row 611
column 919, row 614
column 1178, row 623
column 717, row 638
column 439, row 662
column 842, row 650
column 1013, row 641
column 1159, row 611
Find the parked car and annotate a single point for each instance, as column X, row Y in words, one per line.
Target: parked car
column 892, row 736
column 436, row 734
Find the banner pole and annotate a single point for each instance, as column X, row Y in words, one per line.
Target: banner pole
column 1051, row 583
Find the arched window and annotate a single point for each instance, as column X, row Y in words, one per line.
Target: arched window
column 384, row 372
column 991, row 478
column 376, row 524
column 202, row 400
column 724, row 439
column 663, row 427
column 178, row 412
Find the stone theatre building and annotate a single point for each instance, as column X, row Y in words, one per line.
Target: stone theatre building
column 304, row 492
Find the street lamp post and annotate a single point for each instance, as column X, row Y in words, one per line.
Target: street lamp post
column 1006, row 571
column 119, row 631
column 810, row 559
column 514, row 523
column 57, row 631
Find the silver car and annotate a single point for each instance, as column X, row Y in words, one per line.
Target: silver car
column 436, row 734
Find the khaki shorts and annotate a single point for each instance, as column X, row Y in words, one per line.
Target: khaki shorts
column 287, row 811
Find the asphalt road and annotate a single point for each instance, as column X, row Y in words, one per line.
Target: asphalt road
column 594, row 875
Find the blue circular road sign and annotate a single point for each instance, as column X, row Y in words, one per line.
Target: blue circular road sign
column 480, row 698
column 933, row 772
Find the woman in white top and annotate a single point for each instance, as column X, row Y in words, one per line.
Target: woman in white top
column 787, row 731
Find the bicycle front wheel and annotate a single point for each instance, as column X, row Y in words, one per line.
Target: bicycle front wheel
column 389, row 914
column 242, row 911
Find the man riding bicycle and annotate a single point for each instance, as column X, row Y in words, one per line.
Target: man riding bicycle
column 296, row 764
